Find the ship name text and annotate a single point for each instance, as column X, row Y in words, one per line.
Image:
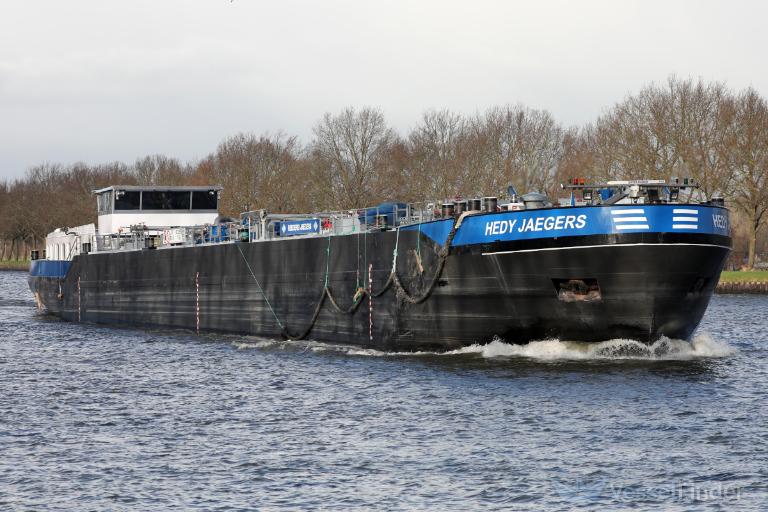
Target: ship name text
column 720, row 221
column 551, row 223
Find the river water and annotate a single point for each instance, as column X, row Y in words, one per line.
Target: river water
column 97, row 418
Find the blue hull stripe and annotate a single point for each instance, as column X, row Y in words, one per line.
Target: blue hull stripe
column 580, row 221
column 49, row 268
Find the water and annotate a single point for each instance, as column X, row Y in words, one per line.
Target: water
column 99, row 418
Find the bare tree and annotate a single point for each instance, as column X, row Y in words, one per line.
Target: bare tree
column 751, row 160
column 515, row 145
column 633, row 141
column 353, row 145
column 683, row 128
column 702, row 123
column 159, row 170
column 436, row 159
column 257, row 172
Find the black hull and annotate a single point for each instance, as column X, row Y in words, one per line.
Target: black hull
column 651, row 285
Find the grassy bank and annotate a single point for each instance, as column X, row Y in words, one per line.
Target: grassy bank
column 14, row 265
column 744, row 276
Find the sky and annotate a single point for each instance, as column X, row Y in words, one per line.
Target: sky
column 104, row 80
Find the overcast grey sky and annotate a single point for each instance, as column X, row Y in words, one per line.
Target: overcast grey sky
column 100, row 80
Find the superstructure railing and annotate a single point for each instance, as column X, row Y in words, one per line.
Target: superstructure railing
column 259, row 225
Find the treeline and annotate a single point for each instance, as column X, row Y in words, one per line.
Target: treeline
column 702, row 130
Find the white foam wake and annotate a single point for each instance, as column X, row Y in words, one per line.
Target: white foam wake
column 702, row 346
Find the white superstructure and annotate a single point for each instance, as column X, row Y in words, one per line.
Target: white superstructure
column 125, row 210
column 66, row 243
column 155, row 207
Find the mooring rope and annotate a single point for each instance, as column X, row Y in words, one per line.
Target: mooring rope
column 327, row 261
column 418, row 242
column 361, row 292
column 303, row 334
column 394, row 252
column 443, row 256
column 261, row 290
column 357, row 274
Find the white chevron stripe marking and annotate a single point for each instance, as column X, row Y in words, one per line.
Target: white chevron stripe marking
column 629, row 211
column 630, row 219
column 632, row 226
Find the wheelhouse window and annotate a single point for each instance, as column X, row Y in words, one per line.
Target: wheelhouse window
column 165, row 200
column 205, row 200
column 105, row 203
column 127, row 200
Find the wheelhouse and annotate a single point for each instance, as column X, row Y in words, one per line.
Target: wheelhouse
column 121, row 207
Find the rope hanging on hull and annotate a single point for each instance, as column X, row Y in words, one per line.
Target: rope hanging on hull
column 394, row 279
column 361, row 292
column 261, row 290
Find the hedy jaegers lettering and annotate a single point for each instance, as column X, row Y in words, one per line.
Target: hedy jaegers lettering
column 550, row 223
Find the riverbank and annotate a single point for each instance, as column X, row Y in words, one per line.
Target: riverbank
column 745, row 281
column 14, row 265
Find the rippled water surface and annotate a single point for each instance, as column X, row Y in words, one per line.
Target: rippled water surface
column 96, row 418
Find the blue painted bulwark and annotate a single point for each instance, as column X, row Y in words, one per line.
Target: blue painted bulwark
column 49, row 268
column 580, row 221
column 437, row 230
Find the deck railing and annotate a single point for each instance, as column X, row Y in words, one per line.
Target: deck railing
column 258, row 226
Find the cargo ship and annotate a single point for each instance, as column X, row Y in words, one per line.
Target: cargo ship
column 620, row 259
